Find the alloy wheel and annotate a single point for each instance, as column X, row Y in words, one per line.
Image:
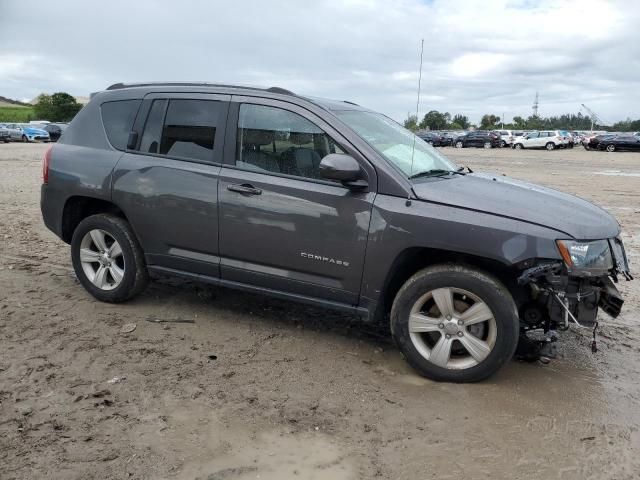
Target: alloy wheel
column 611, row 148
column 452, row 328
column 102, row 259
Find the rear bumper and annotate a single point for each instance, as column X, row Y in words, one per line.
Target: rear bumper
column 51, row 209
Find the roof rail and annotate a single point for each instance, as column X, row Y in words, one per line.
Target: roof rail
column 118, row 86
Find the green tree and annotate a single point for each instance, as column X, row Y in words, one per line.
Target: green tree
column 59, row 107
column 489, row 121
column 461, row 122
column 434, row 120
column 411, row 122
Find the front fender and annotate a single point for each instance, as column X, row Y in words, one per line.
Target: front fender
column 398, row 224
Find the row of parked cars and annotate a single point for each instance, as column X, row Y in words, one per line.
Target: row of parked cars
column 31, row 132
column 547, row 139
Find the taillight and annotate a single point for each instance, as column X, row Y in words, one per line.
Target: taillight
column 45, row 165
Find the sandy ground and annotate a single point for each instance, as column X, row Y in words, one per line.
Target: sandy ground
column 237, row 386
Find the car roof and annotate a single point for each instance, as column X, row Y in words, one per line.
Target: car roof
column 270, row 92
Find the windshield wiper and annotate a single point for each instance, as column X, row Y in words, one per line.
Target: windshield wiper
column 434, row 172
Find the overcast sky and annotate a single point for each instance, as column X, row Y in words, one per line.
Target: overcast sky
column 488, row 56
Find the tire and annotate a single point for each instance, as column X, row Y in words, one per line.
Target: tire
column 518, row 146
column 497, row 336
column 25, row 139
column 459, row 144
column 550, row 146
column 503, row 144
column 130, row 264
column 487, row 145
column 611, row 148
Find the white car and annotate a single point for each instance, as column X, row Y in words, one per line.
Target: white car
column 549, row 139
column 507, row 137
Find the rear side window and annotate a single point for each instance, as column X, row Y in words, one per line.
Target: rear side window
column 183, row 128
column 117, row 118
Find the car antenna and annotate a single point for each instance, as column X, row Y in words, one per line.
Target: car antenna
column 413, row 149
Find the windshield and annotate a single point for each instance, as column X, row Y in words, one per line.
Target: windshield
column 395, row 143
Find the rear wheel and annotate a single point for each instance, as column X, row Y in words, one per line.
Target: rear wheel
column 503, row 143
column 550, row 146
column 487, row 145
column 519, row 146
column 454, row 323
column 107, row 259
column 24, row 139
column 459, row 144
column 611, row 148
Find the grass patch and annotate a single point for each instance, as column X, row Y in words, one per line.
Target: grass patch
column 16, row 114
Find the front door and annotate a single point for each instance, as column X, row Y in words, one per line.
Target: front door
column 283, row 227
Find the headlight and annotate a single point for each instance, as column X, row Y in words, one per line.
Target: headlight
column 592, row 257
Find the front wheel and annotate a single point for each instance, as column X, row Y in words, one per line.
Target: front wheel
column 503, row 144
column 487, row 145
column 107, row 259
column 550, row 146
column 459, row 145
column 24, row 139
column 519, row 146
column 611, row 148
column 455, row 323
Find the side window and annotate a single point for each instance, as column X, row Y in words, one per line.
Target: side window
column 534, row 135
column 117, row 118
column 274, row 140
column 188, row 130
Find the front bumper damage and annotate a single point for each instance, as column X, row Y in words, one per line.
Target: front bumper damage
column 558, row 297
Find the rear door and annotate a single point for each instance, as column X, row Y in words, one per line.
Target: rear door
column 283, row 227
column 167, row 184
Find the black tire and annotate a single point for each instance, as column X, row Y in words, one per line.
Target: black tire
column 135, row 277
column 459, row 144
column 487, row 145
column 481, row 284
column 550, row 146
column 610, row 148
column 25, row 139
column 503, row 144
column 518, row 146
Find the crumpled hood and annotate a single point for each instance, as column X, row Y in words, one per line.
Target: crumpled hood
column 524, row 201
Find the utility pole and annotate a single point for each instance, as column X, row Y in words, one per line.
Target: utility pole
column 535, row 106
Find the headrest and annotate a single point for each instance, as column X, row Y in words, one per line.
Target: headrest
column 300, row 138
column 257, row 137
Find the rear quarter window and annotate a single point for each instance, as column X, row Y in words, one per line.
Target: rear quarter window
column 118, row 118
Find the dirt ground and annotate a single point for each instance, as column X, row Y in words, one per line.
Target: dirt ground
column 214, row 384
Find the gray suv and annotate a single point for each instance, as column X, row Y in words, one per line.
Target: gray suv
column 328, row 203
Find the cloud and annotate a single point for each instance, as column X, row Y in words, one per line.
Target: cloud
column 487, row 57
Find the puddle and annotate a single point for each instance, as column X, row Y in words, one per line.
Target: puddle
column 618, row 173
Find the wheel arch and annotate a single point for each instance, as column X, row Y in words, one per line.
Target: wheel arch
column 77, row 208
column 413, row 259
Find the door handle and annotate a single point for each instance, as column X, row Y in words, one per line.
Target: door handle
column 245, row 188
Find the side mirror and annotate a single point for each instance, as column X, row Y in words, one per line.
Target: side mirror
column 343, row 168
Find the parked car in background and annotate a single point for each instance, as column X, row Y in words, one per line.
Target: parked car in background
column 592, row 142
column 458, row 264
column 55, row 130
column 432, row 138
column 620, row 142
column 20, row 132
column 569, row 140
column 478, row 138
column 448, row 138
column 507, row 137
column 4, row 134
column 549, row 139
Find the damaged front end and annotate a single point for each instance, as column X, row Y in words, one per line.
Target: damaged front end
column 571, row 290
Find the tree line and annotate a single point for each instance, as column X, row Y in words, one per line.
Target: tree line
column 435, row 120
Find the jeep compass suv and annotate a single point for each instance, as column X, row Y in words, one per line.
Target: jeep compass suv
column 328, row 203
